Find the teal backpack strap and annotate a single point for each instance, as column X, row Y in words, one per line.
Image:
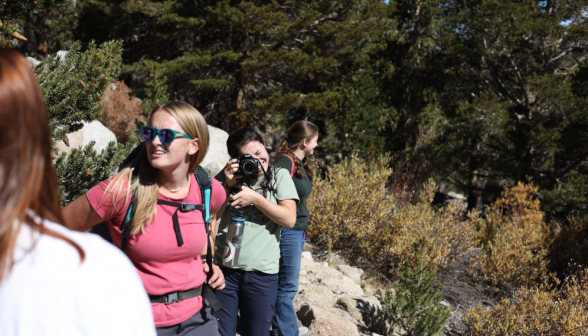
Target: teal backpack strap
column 127, row 221
column 205, row 184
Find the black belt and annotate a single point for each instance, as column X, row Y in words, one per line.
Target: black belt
column 176, row 296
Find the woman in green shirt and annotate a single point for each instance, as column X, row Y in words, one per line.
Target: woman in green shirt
column 293, row 153
column 268, row 201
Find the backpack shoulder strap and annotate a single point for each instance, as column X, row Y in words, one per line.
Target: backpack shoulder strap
column 127, row 221
column 293, row 165
column 205, row 184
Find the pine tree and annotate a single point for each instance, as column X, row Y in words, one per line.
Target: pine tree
column 254, row 63
column 413, row 304
column 73, row 88
column 10, row 14
column 156, row 94
column 412, row 84
column 510, row 66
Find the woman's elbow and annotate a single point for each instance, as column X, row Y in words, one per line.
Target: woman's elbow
column 291, row 220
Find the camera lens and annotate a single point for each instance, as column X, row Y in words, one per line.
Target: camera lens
column 249, row 168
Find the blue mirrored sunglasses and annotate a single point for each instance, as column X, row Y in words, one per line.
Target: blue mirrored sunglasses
column 166, row 135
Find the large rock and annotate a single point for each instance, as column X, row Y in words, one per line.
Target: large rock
column 62, row 54
column 318, row 295
column 93, row 131
column 362, row 309
column 33, row 62
column 217, row 156
column 342, row 285
column 353, row 273
column 320, row 321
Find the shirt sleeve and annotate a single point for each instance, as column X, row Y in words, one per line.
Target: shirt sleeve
column 220, row 177
column 285, row 162
column 285, row 187
column 105, row 204
column 219, row 195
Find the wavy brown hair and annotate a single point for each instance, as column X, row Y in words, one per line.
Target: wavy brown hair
column 298, row 132
column 28, row 185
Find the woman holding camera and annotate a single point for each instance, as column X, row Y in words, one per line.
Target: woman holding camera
column 268, row 199
column 52, row 281
column 166, row 238
column 292, row 155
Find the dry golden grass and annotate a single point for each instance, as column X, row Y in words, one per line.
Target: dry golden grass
column 562, row 310
column 514, row 239
column 354, row 212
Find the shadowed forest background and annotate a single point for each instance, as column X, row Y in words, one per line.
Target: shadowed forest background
column 426, row 95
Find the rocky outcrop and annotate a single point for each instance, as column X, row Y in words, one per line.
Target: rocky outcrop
column 331, row 300
column 93, row 131
column 322, row 321
column 217, row 156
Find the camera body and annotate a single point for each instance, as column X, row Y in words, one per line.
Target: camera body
column 248, row 165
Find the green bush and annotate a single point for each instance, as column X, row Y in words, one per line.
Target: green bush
column 413, row 304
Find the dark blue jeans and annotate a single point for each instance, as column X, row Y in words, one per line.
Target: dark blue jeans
column 291, row 245
column 251, row 293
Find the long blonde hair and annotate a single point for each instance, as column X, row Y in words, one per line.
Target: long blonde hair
column 145, row 181
column 298, row 132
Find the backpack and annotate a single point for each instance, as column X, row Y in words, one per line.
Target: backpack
column 293, row 165
column 205, row 184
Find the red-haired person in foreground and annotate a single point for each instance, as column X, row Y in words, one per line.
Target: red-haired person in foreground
column 53, row 281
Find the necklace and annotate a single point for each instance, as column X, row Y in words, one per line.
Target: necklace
column 174, row 190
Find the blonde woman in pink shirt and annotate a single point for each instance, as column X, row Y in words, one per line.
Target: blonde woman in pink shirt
column 166, row 239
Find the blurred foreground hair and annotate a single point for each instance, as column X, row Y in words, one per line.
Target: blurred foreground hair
column 28, row 184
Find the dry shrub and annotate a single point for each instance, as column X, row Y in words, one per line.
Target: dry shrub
column 536, row 311
column 353, row 211
column 120, row 110
column 514, row 239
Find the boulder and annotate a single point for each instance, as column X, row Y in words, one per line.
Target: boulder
column 342, row 285
column 307, row 255
column 217, row 156
column 350, row 305
column 369, row 289
column 318, row 295
column 33, row 62
column 320, row 321
column 307, row 263
column 362, row 309
column 62, row 54
column 353, row 273
column 93, row 131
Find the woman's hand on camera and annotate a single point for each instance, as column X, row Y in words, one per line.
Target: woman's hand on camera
column 244, row 198
column 231, row 169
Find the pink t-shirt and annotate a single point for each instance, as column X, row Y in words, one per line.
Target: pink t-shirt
column 162, row 265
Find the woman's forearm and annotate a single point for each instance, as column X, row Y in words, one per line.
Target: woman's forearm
column 283, row 213
column 79, row 215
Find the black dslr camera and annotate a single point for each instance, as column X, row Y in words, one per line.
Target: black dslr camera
column 248, row 165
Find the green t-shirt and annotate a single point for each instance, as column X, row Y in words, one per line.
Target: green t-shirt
column 260, row 249
column 303, row 187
